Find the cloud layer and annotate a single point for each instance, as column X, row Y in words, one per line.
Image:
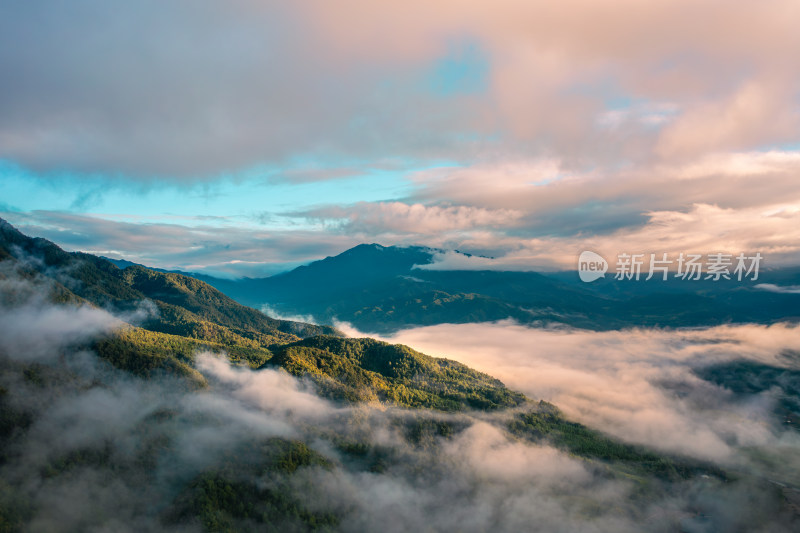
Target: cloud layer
column 639, row 385
column 209, row 88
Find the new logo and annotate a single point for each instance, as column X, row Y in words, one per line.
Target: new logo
column 591, row 266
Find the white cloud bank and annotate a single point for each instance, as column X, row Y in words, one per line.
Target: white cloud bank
column 636, row 384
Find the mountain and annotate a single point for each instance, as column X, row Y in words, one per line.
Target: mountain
column 379, row 289
column 130, row 422
column 188, row 314
column 383, row 289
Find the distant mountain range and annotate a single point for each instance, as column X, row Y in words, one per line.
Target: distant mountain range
column 382, row 289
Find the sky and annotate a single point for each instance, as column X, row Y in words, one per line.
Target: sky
column 246, row 137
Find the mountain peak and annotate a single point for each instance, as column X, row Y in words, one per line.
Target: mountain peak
column 365, row 248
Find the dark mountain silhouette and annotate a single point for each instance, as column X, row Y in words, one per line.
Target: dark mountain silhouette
column 384, row 289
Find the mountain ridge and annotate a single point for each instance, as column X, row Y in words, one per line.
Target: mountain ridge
column 377, row 289
column 192, row 314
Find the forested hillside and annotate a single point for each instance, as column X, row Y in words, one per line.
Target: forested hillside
column 138, row 400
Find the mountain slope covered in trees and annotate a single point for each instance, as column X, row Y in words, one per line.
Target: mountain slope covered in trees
column 142, row 400
column 182, row 314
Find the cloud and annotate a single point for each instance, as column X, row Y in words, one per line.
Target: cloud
column 404, row 219
column 274, row 391
column 194, row 244
column 491, row 456
column 704, row 229
column 771, row 287
column 636, row 384
column 274, row 313
column 207, row 92
column 529, row 215
column 36, row 330
column 755, row 114
column 561, row 200
column 451, row 260
column 517, row 239
column 211, row 88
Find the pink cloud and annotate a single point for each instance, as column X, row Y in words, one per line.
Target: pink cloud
column 403, row 218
